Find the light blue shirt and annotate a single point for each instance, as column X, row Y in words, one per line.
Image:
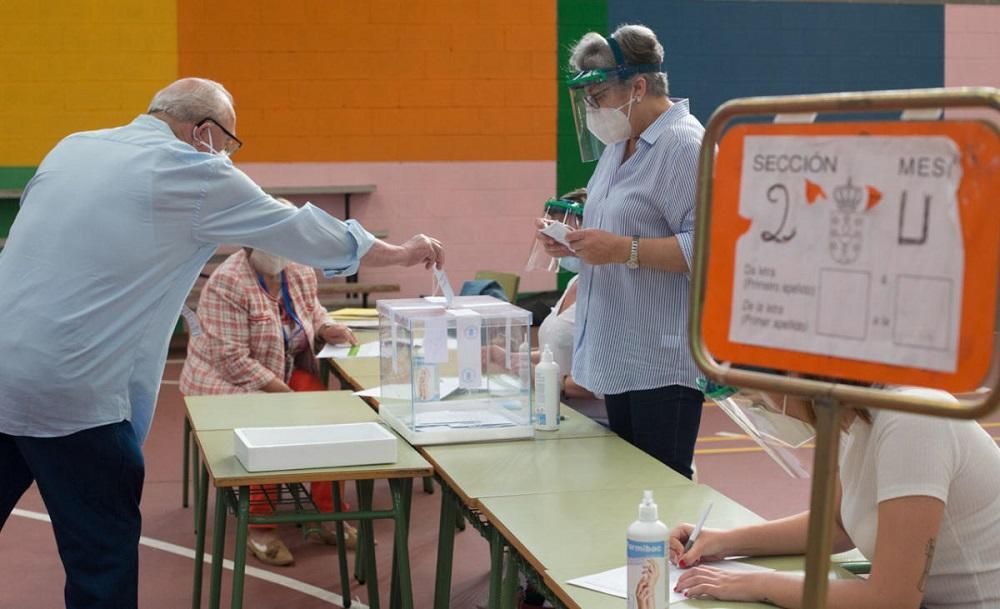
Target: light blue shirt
column 111, row 235
column 631, row 329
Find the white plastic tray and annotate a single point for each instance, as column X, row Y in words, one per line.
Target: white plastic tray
column 309, row 446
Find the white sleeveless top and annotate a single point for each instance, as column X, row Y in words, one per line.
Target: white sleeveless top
column 557, row 331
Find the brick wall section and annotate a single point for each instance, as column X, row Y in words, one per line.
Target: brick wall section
column 78, row 65
column 380, row 80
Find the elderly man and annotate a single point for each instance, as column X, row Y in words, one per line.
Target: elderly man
column 111, row 235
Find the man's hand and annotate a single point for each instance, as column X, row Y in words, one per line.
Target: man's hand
column 421, row 249
column 595, row 246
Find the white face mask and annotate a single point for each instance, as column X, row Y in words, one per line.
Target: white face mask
column 610, row 125
column 266, row 263
column 208, row 144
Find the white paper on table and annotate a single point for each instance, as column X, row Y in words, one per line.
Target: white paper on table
column 614, row 582
column 558, row 231
column 401, row 392
column 854, row 248
column 343, row 351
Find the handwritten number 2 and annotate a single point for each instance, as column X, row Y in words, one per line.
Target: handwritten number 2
column 777, row 194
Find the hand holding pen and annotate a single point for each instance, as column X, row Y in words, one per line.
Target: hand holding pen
column 684, row 538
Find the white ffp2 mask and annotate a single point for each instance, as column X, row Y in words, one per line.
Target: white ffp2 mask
column 610, row 125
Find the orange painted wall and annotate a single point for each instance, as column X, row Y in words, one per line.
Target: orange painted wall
column 380, row 80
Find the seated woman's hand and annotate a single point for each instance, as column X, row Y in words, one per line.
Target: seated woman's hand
column 708, row 582
column 337, row 334
column 708, row 547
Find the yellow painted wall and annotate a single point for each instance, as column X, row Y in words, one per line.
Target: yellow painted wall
column 73, row 65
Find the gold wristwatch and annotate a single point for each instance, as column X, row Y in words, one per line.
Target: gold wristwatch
column 633, row 254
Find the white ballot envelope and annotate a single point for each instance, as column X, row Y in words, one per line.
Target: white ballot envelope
column 558, row 231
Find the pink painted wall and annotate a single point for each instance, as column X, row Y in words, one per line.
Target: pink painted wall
column 972, row 51
column 482, row 211
column 972, row 46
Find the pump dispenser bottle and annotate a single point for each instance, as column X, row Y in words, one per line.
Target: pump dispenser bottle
column 547, row 392
column 647, row 541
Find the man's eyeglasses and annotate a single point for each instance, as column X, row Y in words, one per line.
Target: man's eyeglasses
column 232, row 144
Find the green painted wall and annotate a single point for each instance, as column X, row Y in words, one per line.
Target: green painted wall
column 575, row 18
column 11, row 178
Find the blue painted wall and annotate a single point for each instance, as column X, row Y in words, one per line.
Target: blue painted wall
column 717, row 49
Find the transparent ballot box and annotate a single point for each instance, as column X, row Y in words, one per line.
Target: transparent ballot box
column 459, row 373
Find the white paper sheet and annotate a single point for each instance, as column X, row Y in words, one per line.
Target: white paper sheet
column 343, row 351
column 614, row 582
column 558, row 231
column 442, row 280
column 854, row 248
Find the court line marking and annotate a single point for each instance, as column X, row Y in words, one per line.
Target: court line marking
column 268, row 576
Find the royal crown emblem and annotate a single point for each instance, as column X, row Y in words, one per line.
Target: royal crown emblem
column 847, row 225
column 848, row 197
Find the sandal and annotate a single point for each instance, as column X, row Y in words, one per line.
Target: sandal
column 328, row 534
column 271, row 552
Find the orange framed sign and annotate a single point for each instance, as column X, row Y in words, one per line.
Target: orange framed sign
column 859, row 250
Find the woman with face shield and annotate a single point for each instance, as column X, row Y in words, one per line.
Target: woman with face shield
column 918, row 496
column 634, row 249
column 260, row 319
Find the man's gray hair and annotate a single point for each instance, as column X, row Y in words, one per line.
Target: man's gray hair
column 638, row 44
column 193, row 99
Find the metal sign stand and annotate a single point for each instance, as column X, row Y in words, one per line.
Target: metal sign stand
column 828, row 395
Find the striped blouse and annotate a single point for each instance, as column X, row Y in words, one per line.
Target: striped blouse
column 631, row 331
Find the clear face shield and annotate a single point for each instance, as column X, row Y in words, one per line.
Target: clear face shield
column 597, row 125
column 561, row 216
column 585, row 90
column 765, row 422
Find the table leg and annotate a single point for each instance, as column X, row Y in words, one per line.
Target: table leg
column 508, row 593
column 218, row 548
column 402, row 492
column 186, row 463
column 366, row 489
column 496, row 569
column 428, row 485
column 201, row 501
column 446, row 549
column 345, row 579
column 359, row 552
column 197, row 470
column 240, row 551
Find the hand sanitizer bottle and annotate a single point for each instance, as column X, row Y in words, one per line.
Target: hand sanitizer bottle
column 547, row 393
column 646, row 541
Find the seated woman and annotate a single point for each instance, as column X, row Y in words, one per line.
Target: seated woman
column 919, row 497
column 260, row 318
